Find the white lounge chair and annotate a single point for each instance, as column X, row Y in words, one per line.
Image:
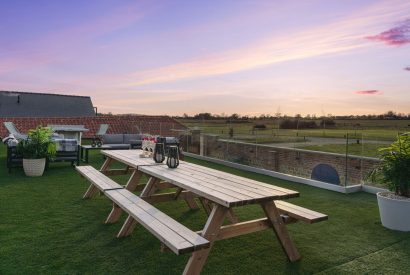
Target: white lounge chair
column 13, row 130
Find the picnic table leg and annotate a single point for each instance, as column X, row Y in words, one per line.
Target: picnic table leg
column 190, row 201
column 91, row 191
column 133, row 181
column 150, row 187
column 280, row 230
column 231, row 216
column 131, row 185
column 210, row 232
column 114, row 214
column 128, row 227
column 106, row 165
column 206, row 206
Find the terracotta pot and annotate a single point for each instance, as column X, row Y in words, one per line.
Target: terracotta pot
column 34, row 167
column 394, row 213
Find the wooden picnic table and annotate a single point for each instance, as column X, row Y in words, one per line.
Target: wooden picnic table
column 218, row 192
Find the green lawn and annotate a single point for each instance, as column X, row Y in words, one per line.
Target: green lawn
column 45, row 227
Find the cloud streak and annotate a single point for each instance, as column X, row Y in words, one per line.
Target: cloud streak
column 343, row 36
column 396, row 36
column 407, row 69
column 368, row 92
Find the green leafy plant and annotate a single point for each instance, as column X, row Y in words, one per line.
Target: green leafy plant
column 38, row 144
column 394, row 169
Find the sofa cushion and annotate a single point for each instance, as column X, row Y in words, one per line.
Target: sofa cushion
column 119, row 146
column 132, row 137
column 113, row 139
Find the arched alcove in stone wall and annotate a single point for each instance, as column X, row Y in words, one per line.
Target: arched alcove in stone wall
column 326, row 173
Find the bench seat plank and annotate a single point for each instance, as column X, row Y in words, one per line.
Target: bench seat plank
column 176, row 236
column 96, row 178
column 300, row 213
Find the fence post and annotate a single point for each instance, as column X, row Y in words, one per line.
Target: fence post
column 346, row 161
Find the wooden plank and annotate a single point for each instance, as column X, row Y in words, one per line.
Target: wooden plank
column 222, row 184
column 163, row 197
column 300, row 213
column 245, row 182
column 194, row 187
column 129, row 157
column 188, row 234
column 280, row 230
column 210, row 232
column 174, row 241
column 116, row 172
column 217, row 192
column 167, row 230
column 255, row 193
column 242, row 228
column 96, row 178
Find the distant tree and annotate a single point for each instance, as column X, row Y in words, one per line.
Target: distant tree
column 203, row 116
column 234, row 116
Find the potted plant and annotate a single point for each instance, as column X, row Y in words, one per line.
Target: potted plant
column 394, row 172
column 35, row 150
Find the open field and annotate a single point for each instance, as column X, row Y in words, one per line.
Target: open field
column 371, row 134
column 367, row 150
column 368, row 129
column 47, row 228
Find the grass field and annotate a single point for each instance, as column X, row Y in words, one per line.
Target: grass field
column 368, row 129
column 46, row 228
column 368, row 150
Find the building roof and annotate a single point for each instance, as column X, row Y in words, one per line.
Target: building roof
column 23, row 104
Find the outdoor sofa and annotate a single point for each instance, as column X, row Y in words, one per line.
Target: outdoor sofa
column 122, row 141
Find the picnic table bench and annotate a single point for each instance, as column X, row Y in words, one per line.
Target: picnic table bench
column 174, row 235
column 218, row 192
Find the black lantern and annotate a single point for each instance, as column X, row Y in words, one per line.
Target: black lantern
column 173, row 157
column 159, row 152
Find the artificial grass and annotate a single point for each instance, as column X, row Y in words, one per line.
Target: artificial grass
column 45, row 227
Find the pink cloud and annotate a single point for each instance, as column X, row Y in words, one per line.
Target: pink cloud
column 397, row 36
column 368, row 92
column 407, row 68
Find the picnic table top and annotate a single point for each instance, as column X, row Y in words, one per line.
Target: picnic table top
column 217, row 186
column 131, row 158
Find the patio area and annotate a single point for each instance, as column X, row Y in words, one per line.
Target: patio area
column 46, row 227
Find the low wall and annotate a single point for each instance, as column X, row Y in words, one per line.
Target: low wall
column 297, row 162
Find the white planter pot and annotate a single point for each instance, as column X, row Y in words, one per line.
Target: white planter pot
column 34, row 167
column 394, row 213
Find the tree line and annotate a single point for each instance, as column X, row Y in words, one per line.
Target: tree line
column 240, row 118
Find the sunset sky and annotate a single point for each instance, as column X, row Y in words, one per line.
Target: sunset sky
column 247, row 57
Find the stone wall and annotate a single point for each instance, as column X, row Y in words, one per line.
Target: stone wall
column 297, row 162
